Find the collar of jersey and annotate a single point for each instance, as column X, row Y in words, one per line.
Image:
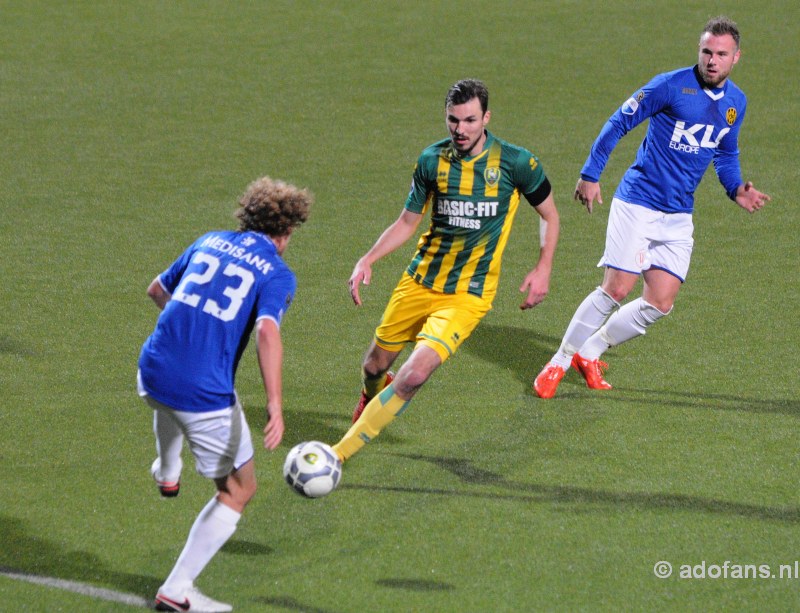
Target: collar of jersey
column 715, row 93
column 264, row 237
column 486, row 146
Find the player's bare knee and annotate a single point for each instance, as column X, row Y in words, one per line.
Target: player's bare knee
column 618, row 283
column 409, row 379
column 616, row 291
column 406, row 386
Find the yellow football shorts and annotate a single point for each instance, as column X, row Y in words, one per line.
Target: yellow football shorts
column 440, row 321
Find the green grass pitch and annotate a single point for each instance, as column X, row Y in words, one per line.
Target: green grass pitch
column 129, row 128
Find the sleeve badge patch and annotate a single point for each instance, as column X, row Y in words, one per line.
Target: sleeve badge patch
column 632, row 104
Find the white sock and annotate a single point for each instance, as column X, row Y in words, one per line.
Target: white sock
column 630, row 321
column 211, row 530
column 590, row 315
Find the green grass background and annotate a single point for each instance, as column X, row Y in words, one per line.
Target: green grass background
column 129, row 128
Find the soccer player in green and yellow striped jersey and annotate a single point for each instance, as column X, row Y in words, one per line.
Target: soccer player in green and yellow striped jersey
column 472, row 184
column 473, row 201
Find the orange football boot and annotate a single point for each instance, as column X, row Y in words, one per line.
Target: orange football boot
column 592, row 371
column 546, row 383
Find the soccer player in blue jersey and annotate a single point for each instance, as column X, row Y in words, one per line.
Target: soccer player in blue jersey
column 223, row 286
column 695, row 115
column 472, row 184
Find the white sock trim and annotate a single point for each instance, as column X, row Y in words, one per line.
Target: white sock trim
column 225, row 514
column 631, row 321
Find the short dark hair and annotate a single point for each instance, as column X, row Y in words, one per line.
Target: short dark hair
column 719, row 26
column 465, row 90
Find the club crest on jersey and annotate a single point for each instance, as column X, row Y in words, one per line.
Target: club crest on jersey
column 491, row 176
column 730, row 116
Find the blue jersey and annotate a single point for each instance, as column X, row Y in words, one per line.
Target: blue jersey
column 220, row 287
column 690, row 126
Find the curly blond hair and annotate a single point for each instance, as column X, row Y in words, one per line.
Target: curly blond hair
column 273, row 207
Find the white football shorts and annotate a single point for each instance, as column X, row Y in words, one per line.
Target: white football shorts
column 219, row 440
column 639, row 238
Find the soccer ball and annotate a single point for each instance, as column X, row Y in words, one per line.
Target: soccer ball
column 312, row 469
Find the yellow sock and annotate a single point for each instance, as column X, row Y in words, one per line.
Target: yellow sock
column 372, row 385
column 380, row 411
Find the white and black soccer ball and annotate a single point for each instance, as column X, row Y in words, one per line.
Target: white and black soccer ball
column 312, row 469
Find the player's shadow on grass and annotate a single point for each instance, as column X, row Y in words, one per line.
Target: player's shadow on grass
column 326, row 426
column 523, row 492
column 416, row 585
column 245, row 548
column 521, row 350
column 524, row 352
column 12, row 346
column 28, row 554
column 724, row 402
column 290, row 604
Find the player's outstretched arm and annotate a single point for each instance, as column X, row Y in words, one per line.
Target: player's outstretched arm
column 587, row 192
column 269, row 349
column 393, row 237
column 536, row 285
column 750, row 199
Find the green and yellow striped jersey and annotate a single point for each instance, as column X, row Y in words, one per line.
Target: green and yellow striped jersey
column 473, row 201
